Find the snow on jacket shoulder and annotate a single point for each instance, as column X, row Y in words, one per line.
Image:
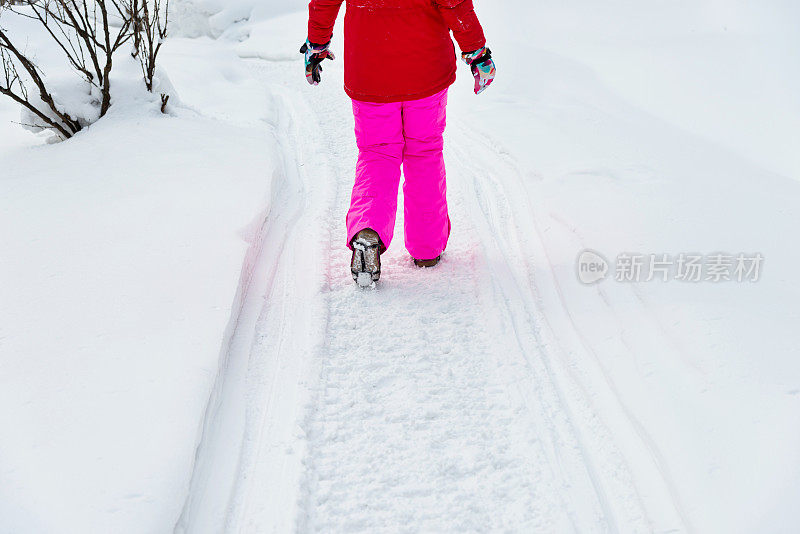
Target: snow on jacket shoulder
column 397, row 50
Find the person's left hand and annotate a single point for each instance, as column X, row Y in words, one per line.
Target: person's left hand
column 315, row 54
column 483, row 67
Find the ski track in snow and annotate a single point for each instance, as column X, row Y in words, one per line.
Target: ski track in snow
column 439, row 401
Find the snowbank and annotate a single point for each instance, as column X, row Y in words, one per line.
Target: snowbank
column 122, row 250
column 229, row 19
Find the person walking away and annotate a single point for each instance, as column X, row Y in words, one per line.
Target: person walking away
column 399, row 63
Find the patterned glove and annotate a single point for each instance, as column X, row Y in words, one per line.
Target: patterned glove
column 315, row 54
column 483, row 68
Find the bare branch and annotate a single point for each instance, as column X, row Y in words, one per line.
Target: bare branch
column 88, row 34
column 68, row 123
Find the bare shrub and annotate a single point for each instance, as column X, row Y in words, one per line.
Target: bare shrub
column 88, row 33
column 151, row 21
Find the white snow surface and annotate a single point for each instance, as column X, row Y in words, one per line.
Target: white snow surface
column 182, row 347
column 123, row 250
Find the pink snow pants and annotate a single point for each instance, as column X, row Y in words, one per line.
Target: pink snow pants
column 388, row 136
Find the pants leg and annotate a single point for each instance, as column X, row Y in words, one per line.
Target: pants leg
column 379, row 136
column 427, row 223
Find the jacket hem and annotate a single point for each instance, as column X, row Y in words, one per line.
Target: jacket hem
column 387, row 99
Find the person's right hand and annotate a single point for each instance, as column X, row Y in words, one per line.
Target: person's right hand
column 315, row 54
column 483, row 68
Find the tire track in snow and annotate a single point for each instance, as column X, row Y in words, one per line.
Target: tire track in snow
column 504, row 252
column 646, row 321
column 630, row 464
column 249, row 432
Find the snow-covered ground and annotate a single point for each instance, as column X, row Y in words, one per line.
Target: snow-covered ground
column 155, row 301
column 125, row 252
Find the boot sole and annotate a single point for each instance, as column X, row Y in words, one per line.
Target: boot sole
column 362, row 255
column 422, row 264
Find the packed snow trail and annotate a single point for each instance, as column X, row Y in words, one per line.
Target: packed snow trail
column 436, row 402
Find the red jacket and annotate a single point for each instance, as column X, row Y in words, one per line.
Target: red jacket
column 397, row 50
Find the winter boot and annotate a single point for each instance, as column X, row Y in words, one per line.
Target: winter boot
column 427, row 263
column 366, row 262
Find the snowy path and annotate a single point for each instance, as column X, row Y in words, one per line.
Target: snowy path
column 438, row 402
column 143, row 390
